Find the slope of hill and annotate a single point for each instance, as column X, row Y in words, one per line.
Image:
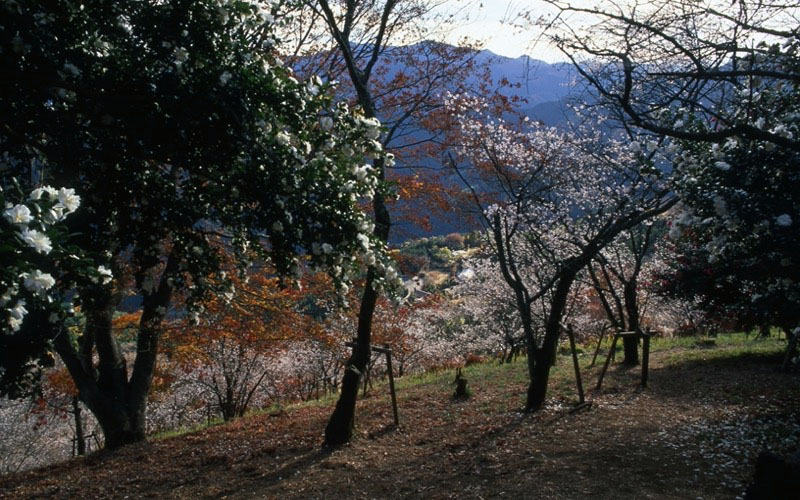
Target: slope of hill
column 694, row 432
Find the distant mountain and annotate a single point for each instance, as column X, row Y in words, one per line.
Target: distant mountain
column 543, row 89
column 539, row 82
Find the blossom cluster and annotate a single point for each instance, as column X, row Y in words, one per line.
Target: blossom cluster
column 25, row 231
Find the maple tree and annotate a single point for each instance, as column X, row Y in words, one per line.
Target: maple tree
column 364, row 40
column 229, row 348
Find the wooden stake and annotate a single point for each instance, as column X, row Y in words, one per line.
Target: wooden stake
column 578, row 380
column 597, row 349
column 388, row 352
column 645, row 356
column 608, row 362
column 391, row 386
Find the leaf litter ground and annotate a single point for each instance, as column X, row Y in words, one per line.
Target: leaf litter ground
column 693, row 433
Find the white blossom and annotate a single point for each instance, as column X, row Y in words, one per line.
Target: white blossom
column 18, row 214
column 326, row 123
column 105, row 274
column 283, row 138
column 36, row 194
column 37, row 281
column 36, row 239
column 68, row 200
column 724, row 166
column 18, row 311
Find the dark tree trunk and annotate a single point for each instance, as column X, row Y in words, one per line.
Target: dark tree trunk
column 340, row 426
column 119, row 404
column 540, row 376
column 540, row 371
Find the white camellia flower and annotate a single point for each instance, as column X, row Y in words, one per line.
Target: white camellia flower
column 18, row 311
column 6, row 297
column 363, row 240
column 18, row 214
column 71, row 69
column 224, row 78
column 327, row 248
column 283, row 138
column 784, row 220
column 181, row 55
column 105, row 274
column 37, row 281
column 724, row 166
column 38, row 240
column 36, row 194
column 68, row 200
column 14, row 323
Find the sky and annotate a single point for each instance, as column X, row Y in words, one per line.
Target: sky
column 493, row 23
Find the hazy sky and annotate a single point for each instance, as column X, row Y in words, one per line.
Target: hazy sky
column 493, row 22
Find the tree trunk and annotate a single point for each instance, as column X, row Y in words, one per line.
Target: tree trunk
column 340, row 426
column 540, row 371
column 119, row 404
column 540, row 376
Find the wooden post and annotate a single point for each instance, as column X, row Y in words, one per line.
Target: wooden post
column 391, row 385
column 608, row 362
column 388, row 352
column 645, row 356
column 578, row 380
column 80, row 440
column 597, row 349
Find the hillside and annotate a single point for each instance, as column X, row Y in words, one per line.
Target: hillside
column 693, row 433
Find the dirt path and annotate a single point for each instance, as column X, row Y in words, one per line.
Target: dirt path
column 693, row 433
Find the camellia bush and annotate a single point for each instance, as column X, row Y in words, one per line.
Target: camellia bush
column 176, row 125
column 38, row 266
column 741, row 205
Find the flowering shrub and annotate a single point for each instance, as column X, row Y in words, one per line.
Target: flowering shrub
column 174, row 122
column 39, row 268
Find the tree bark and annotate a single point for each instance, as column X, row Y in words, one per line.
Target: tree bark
column 340, row 426
column 118, row 404
column 540, row 373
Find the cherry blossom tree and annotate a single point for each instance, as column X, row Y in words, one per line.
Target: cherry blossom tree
column 482, row 295
column 720, row 80
column 551, row 201
column 615, row 275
